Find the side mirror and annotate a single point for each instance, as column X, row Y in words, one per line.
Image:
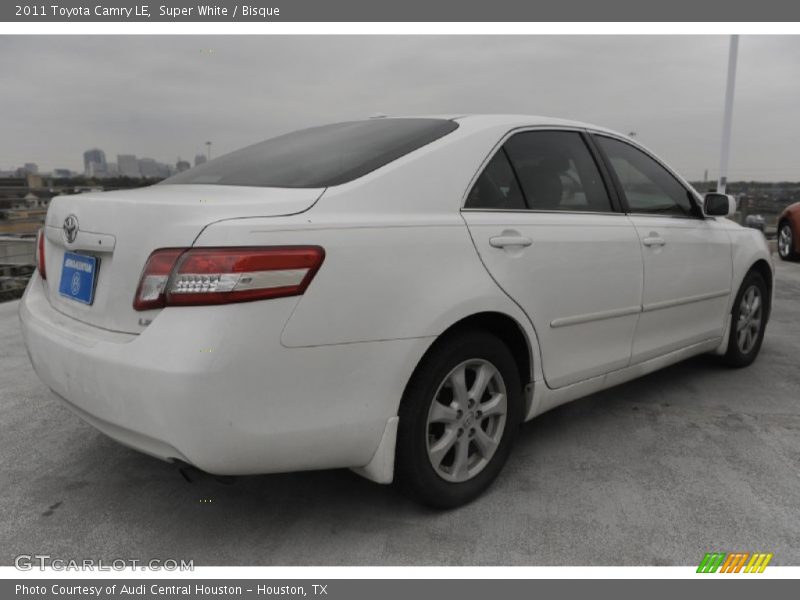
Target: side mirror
column 719, row 205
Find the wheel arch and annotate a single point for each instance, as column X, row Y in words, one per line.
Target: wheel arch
column 763, row 268
column 508, row 330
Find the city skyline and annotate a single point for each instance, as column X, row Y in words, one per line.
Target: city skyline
column 129, row 167
column 158, row 96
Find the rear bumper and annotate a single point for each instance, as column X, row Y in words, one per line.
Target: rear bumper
column 214, row 387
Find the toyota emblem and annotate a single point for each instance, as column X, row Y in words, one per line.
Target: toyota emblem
column 70, row 228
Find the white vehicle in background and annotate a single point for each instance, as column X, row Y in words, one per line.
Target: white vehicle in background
column 393, row 295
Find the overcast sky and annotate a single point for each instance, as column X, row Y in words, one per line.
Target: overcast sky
column 164, row 96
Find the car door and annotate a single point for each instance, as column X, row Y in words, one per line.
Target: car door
column 687, row 258
column 545, row 226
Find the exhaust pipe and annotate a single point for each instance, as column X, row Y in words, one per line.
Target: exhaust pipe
column 191, row 474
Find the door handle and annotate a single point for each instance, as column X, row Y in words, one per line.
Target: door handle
column 502, row 241
column 653, row 240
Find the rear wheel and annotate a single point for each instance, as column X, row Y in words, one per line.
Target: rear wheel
column 458, row 419
column 748, row 321
column 786, row 242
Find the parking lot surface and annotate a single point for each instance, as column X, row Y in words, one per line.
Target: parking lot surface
column 694, row 458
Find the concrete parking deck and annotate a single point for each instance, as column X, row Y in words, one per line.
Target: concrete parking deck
column 695, row 458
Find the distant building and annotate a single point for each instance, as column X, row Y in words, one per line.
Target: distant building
column 34, row 201
column 28, row 169
column 148, row 167
column 34, row 181
column 94, row 163
column 23, row 204
column 62, row 173
column 151, row 168
column 199, row 159
column 182, row 165
column 12, row 192
column 128, row 166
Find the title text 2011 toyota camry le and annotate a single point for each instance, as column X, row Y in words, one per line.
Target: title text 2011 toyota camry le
column 391, row 295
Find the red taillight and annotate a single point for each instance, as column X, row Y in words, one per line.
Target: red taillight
column 153, row 283
column 177, row 277
column 40, row 264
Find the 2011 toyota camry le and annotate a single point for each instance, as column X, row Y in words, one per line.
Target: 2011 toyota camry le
column 392, row 295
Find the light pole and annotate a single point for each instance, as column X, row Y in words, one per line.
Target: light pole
column 728, row 116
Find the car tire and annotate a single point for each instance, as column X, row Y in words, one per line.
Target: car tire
column 748, row 321
column 786, row 241
column 466, row 431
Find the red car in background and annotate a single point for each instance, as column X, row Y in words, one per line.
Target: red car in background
column 789, row 232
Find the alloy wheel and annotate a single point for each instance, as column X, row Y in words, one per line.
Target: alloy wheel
column 466, row 420
column 785, row 241
column 748, row 325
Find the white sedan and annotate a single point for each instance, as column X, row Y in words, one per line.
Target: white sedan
column 394, row 295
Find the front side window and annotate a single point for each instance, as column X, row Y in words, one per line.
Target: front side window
column 649, row 187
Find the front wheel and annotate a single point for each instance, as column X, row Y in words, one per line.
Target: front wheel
column 748, row 321
column 786, row 242
column 458, row 419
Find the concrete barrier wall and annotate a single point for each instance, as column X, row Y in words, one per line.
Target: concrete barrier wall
column 17, row 251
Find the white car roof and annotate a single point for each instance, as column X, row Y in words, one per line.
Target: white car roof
column 505, row 121
column 513, row 121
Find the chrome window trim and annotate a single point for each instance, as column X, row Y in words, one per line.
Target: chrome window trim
column 669, row 216
column 590, row 131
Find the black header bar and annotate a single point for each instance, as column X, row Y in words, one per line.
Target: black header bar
column 259, row 11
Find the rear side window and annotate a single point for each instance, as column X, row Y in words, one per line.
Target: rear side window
column 557, row 171
column 649, row 187
column 320, row 156
column 541, row 170
column 497, row 187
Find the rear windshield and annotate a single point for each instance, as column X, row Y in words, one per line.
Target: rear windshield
column 320, row 156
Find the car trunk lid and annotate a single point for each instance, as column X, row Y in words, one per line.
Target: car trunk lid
column 120, row 229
